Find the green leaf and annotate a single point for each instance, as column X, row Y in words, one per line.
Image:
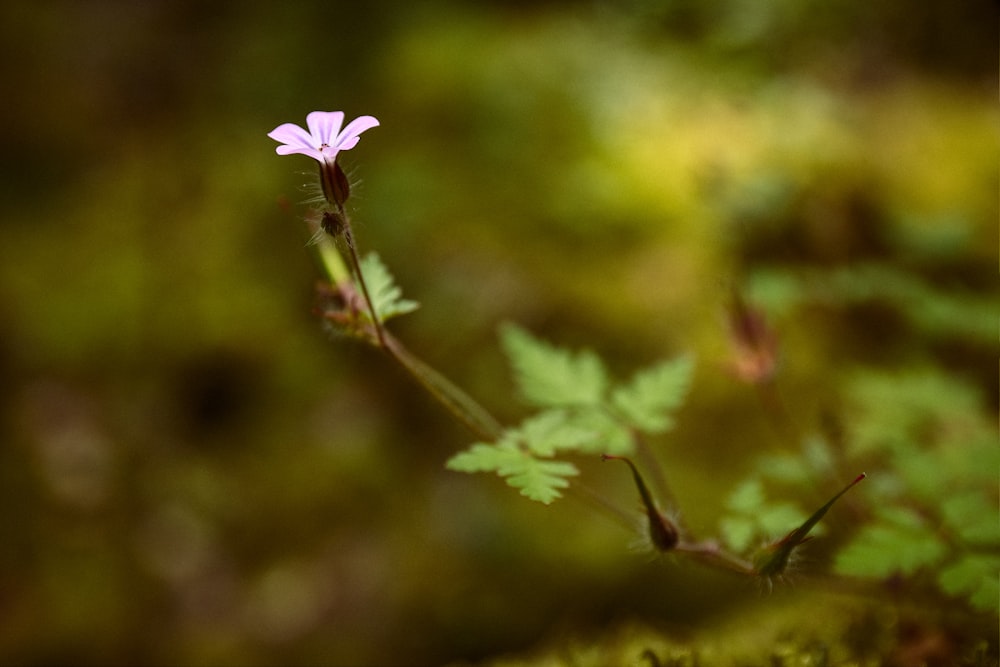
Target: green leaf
column 607, row 435
column 536, row 479
column 775, row 291
column 546, row 433
column 754, row 517
column 786, row 468
column 934, row 311
column 973, row 516
column 816, row 460
column 890, row 412
column 548, row 376
column 900, row 542
column 647, row 400
column 738, row 532
column 540, row 480
column 387, row 297
column 987, row 595
column 484, row 457
column 747, row 498
column 974, row 576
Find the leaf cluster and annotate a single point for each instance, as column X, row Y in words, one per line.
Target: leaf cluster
column 581, row 411
column 935, row 508
column 929, row 310
column 752, row 516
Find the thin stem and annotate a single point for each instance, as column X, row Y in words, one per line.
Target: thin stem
column 595, row 500
column 356, row 264
column 330, row 260
column 476, row 418
column 652, row 463
column 711, row 553
column 456, row 401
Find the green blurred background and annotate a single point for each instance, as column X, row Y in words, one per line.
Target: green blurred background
column 194, row 473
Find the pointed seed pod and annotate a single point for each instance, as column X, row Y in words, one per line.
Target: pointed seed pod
column 662, row 531
column 773, row 560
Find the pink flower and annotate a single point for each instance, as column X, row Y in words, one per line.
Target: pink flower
column 324, row 139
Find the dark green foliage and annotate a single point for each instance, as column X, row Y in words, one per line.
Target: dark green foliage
column 573, row 391
column 752, row 518
column 936, row 510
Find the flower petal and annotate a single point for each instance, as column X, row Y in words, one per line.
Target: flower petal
column 289, row 150
column 348, row 138
column 293, row 135
column 324, row 126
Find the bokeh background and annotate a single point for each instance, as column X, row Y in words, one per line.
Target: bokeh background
column 193, row 472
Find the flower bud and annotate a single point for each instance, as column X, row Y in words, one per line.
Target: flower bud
column 333, row 223
column 336, row 187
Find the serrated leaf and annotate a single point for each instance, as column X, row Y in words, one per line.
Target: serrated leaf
column 973, row 517
column 752, row 516
column 890, row 547
column 540, row 480
column 484, row 457
column 974, row 576
column 890, row 411
column 536, row 479
column 815, row 460
column 647, row 400
column 386, row 296
column 549, row 376
column 607, row 435
column 551, row 431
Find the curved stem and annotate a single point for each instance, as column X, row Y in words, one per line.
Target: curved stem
column 711, row 553
column 652, row 463
column 356, row 264
column 456, row 401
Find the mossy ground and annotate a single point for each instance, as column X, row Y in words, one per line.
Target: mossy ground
column 810, row 628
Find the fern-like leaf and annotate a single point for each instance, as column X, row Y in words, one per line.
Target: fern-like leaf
column 900, row 542
column 551, row 431
column 386, row 295
column 974, row 576
column 537, row 479
column 647, row 401
column 608, row 435
column 752, row 517
column 548, row 376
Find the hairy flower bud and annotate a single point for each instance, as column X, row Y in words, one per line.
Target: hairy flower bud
column 333, row 223
column 336, row 187
column 663, row 532
column 323, row 141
